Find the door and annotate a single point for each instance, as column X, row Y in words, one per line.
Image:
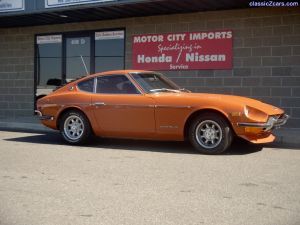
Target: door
column 121, row 110
column 78, row 56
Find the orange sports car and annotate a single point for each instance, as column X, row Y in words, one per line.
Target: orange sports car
column 146, row 105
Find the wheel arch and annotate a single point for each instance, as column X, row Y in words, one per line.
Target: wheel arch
column 202, row 111
column 65, row 110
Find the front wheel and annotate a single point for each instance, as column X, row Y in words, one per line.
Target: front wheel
column 209, row 133
column 75, row 127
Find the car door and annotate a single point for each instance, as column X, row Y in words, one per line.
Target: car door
column 171, row 112
column 121, row 109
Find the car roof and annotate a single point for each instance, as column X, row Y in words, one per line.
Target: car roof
column 112, row 72
column 118, row 72
column 87, row 77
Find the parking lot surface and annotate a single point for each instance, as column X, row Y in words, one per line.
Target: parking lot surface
column 45, row 182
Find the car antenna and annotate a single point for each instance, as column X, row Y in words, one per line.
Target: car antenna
column 87, row 72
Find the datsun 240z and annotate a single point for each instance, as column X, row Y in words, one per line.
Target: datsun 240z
column 146, row 105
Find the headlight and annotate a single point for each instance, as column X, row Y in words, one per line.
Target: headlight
column 246, row 111
column 255, row 114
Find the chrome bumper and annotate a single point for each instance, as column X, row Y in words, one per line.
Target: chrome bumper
column 43, row 117
column 272, row 123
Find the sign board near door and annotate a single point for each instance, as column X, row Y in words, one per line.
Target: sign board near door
column 107, row 35
column 12, row 5
column 183, row 51
column 49, row 39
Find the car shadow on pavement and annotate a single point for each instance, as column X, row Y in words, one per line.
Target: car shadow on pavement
column 239, row 147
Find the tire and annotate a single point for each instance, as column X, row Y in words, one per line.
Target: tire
column 75, row 127
column 209, row 133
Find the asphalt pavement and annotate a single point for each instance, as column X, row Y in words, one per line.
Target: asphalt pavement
column 46, row 182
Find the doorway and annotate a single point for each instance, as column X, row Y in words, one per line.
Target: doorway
column 63, row 57
column 77, row 57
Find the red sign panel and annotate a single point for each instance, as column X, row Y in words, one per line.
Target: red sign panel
column 183, row 51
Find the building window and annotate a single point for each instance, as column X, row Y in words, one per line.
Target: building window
column 49, row 60
column 109, row 50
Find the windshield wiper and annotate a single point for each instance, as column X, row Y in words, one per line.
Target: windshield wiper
column 164, row 90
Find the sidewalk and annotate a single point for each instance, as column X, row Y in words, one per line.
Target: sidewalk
column 286, row 136
column 31, row 124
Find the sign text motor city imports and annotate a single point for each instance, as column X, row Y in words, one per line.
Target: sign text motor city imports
column 183, row 51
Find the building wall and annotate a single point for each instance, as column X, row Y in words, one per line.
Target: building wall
column 266, row 56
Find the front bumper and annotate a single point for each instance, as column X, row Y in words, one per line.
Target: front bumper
column 272, row 123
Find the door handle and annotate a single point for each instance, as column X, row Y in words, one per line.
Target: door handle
column 99, row 104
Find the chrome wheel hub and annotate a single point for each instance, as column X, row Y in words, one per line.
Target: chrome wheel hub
column 208, row 134
column 73, row 127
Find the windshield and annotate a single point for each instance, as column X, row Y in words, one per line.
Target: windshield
column 153, row 82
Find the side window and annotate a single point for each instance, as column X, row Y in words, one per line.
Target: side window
column 86, row 85
column 116, row 84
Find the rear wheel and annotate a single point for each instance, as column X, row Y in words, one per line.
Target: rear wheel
column 209, row 133
column 75, row 127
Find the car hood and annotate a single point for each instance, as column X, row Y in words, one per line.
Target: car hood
column 234, row 100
